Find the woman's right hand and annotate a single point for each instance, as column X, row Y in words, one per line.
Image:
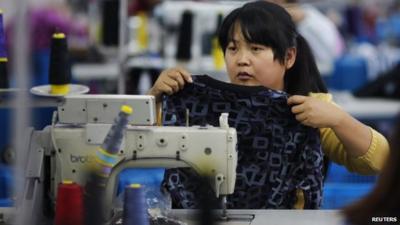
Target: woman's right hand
column 170, row 81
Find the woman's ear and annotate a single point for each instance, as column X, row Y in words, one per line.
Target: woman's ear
column 291, row 54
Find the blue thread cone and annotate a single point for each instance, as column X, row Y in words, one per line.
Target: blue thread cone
column 135, row 209
column 3, row 53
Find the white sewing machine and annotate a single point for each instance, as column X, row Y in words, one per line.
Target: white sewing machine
column 62, row 150
column 84, row 120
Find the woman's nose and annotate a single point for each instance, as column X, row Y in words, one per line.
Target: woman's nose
column 243, row 59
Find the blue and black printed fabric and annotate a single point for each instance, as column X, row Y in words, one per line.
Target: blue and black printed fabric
column 276, row 154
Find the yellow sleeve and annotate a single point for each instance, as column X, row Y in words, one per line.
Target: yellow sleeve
column 368, row 164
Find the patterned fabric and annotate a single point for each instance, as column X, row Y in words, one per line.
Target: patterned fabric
column 276, row 154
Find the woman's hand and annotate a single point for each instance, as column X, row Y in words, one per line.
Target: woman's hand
column 170, row 81
column 315, row 113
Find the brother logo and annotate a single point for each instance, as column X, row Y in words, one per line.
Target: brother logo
column 80, row 158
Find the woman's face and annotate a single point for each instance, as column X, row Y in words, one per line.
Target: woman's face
column 253, row 64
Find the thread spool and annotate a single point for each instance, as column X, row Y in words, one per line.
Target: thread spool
column 135, row 209
column 3, row 53
column 3, row 73
column 106, row 157
column 143, row 31
column 3, row 56
column 59, row 71
column 69, row 204
column 207, row 202
column 94, row 193
column 218, row 55
column 184, row 45
column 110, row 22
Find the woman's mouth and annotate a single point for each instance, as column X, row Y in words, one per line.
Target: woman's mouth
column 244, row 76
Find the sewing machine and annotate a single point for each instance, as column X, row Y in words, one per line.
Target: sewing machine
column 84, row 120
column 61, row 151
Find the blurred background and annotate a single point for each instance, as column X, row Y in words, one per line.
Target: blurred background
column 356, row 44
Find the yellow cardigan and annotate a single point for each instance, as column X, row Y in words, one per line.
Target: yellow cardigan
column 368, row 164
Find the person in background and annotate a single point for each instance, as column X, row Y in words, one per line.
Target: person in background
column 381, row 206
column 263, row 48
column 321, row 33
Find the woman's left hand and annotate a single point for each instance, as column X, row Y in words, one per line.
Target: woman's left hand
column 314, row 112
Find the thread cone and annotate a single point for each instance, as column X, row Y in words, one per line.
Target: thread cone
column 59, row 71
column 3, row 55
column 69, row 205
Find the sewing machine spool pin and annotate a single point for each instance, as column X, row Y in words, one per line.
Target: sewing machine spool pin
column 187, row 117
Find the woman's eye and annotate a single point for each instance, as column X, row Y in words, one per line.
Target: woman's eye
column 231, row 48
column 256, row 48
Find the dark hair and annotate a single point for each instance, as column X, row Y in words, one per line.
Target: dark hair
column 384, row 199
column 271, row 25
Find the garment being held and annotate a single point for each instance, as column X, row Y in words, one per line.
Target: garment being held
column 277, row 156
